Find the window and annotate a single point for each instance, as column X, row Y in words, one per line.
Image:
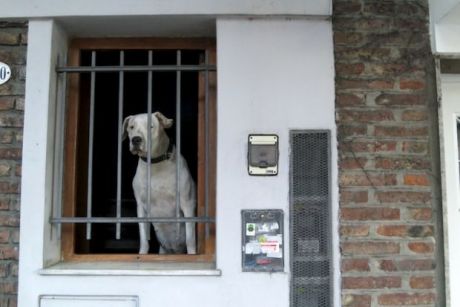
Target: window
column 450, row 138
column 108, row 80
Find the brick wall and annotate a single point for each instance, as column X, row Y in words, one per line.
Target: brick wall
column 385, row 112
column 13, row 41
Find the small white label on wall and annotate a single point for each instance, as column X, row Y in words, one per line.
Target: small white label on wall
column 5, row 73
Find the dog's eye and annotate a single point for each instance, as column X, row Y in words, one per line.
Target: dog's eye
column 131, row 127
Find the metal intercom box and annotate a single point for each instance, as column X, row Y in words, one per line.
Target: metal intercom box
column 262, row 240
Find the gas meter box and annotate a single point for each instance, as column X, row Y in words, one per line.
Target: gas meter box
column 262, row 240
column 263, row 154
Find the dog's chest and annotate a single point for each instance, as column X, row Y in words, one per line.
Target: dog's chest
column 162, row 184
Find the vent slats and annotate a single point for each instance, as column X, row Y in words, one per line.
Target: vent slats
column 310, row 231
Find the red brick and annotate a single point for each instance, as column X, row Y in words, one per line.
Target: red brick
column 414, row 147
column 402, row 163
column 405, row 230
column 346, row 8
column 371, row 282
column 421, row 282
column 8, row 287
column 416, row 265
column 368, row 146
column 387, row 8
column 365, row 116
column 6, row 103
column 355, row 300
column 403, row 197
column 392, row 230
column 414, row 115
column 417, row 180
column 18, row 170
column 422, row 214
column 6, row 136
column 421, row 247
column 377, row 69
column 370, row 248
column 349, row 69
column 14, row 269
column 400, row 131
column 355, row 265
column 346, row 100
column 8, row 252
column 353, row 197
column 420, row 231
column 399, row 100
column 411, row 84
column 4, row 270
column 5, row 169
column 12, row 302
column 347, row 38
column 10, row 38
column 348, row 130
column 9, row 187
column 409, row 23
column 354, row 231
column 9, row 220
column 4, row 204
column 16, row 121
column 365, row 84
column 388, row 266
column 348, row 180
column 363, row 24
column 396, row 38
column 379, row 55
column 365, row 214
column 4, row 236
column 385, row 146
column 352, row 163
column 10, row 153
column 406, row 299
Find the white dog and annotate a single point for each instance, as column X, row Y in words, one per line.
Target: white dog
column 173, row 238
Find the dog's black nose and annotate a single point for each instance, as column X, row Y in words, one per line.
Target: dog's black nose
column 137, row 140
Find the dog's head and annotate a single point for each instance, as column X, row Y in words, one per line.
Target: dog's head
column 136, row 127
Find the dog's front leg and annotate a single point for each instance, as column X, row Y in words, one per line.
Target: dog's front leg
column 144, row 230
column 190, row 238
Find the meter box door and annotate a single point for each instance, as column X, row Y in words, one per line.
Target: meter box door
column 262, row 240
column 263, row 154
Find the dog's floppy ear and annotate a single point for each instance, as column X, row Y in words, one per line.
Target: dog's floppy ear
column 164, row 121
column 125, row 128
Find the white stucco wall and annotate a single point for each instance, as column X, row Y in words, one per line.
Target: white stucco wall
column 274, row 74
column 58, row 8
column 445, row 25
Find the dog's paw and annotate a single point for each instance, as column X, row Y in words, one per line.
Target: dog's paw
column 144, row 250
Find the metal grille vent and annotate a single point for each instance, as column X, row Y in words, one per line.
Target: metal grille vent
column 310, row 219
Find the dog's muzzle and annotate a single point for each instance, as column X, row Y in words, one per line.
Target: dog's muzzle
column 136, row 143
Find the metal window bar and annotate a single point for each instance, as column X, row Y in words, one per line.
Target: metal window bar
column 59, row 141
column 149, row 137
column 58, row 219
column 119, row 145
column 206, row 142
column 89, row 203
column 178, row 139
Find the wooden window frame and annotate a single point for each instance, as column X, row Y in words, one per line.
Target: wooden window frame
column 205, row 248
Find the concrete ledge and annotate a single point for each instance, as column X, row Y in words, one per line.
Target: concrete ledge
column 130, row 269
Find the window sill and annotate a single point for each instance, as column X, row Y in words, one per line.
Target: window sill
column 130, row 269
